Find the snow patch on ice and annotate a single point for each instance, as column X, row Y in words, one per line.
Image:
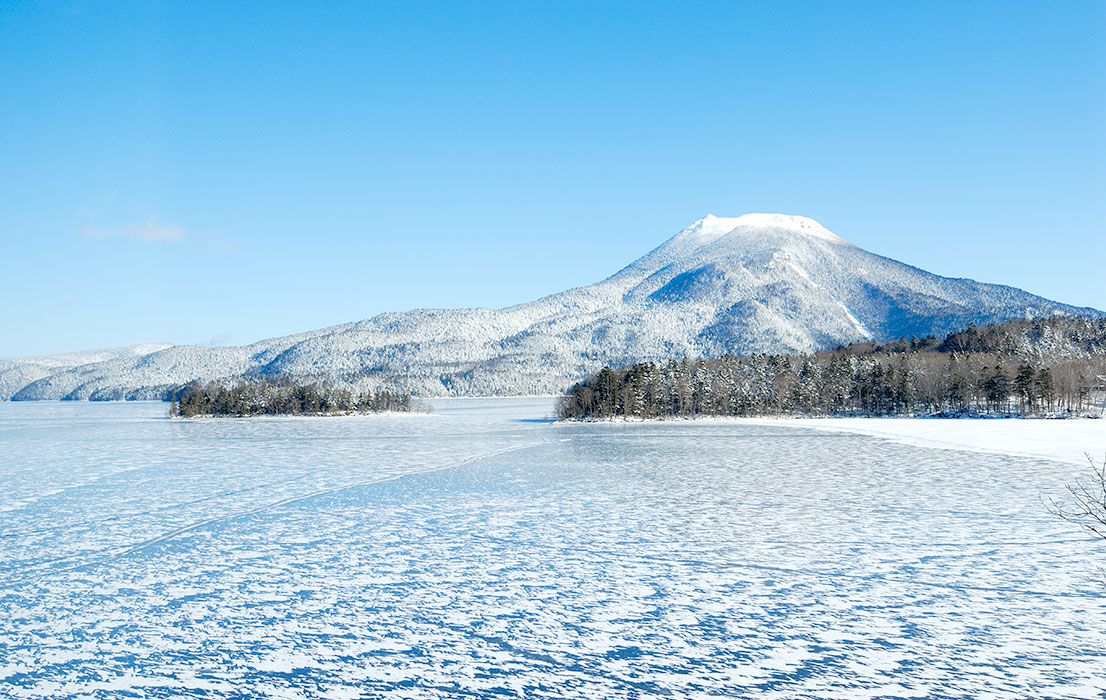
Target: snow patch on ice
column 1059, row 440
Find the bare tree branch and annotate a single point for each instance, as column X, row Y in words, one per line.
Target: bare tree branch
column 1087, row 507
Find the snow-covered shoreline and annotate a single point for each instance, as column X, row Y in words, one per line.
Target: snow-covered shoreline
column 1066, row 440
column 1060, row 440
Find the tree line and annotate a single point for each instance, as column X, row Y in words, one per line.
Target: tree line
column 274, row 398
column 1043, row 367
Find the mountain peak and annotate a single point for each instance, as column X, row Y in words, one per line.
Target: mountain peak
column 746, row 230
column 714, row 227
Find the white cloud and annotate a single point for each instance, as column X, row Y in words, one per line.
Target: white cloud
column 148, row 231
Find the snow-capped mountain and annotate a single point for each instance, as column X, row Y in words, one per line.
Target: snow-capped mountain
column 754, row 283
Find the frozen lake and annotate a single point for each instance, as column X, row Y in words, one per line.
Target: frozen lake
column 480, row 551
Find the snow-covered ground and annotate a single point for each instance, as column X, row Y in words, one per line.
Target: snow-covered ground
column 1064, row 440
column 482, row 551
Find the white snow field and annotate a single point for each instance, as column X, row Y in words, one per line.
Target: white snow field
column 480, row 551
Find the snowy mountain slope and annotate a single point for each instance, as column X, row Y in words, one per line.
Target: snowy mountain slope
column 142, row 372
column 18, row 372
column 755, row 283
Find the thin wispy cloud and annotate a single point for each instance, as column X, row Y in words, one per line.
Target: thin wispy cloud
column 148, row 231
column 218, row 245
column 101, row 219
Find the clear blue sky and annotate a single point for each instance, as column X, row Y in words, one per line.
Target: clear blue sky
column 221, row 173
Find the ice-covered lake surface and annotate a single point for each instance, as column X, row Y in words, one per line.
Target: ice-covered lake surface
column 480, row 551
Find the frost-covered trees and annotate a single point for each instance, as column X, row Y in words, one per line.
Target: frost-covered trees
column 990, row 370
column 279, row 398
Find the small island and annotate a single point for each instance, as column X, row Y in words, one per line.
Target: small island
column 1053, row 367
column 279, row 398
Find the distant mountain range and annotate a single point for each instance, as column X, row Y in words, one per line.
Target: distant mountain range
column 755, row 283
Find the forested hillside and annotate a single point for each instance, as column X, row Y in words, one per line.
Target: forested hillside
column 1038, row 367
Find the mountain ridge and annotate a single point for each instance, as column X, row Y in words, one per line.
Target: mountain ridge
column 753, row 283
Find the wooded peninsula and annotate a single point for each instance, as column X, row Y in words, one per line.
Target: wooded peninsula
column 1045, row 367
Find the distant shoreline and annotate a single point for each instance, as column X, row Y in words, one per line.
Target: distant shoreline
column 1068, row 441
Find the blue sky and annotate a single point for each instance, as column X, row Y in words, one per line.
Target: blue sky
column 210, row 173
